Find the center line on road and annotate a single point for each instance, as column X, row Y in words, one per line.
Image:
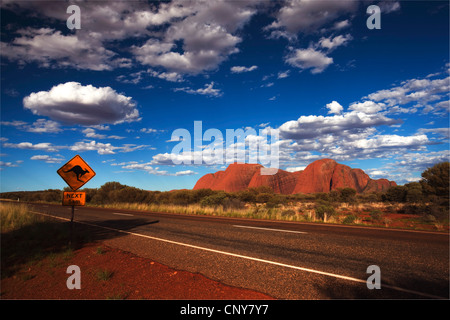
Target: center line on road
column 123, row 214
column 248, row 257
column 270, row 229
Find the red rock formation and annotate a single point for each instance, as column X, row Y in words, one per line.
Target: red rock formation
column 235, row 178
column 281, row 182
column 320, row 176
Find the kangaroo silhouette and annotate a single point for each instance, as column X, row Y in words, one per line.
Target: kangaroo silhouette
column 79, row 172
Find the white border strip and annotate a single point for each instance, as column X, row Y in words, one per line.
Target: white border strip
column 250, row 258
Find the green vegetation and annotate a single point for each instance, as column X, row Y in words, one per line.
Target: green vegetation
column 428, row 199
column 104, row 274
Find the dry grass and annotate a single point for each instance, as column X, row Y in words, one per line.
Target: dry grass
column 15, row 216
column 255, row 212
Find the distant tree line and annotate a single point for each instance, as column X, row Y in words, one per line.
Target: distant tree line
column 432, row 189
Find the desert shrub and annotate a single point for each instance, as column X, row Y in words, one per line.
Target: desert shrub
column 347, row 195
column 214, row 200
column 395, row 194
column 370, row 197
column 349, row 219
column 181, row 197
column 321, row 196
column 276, row 200
column 230, row 203
column 246, row 195
column 263, row 197
column 376, row 215
column 199, row 194
column 288, row 213
column 414, row 192
column 323, row 208
column 429, row 218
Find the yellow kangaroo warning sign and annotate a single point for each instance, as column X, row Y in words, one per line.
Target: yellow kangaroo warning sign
column 76, row 172
column 74, row 198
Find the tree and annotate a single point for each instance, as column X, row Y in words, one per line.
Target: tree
column 347, row 194
column 435, row 180
column 395, row 194
column 413, row 192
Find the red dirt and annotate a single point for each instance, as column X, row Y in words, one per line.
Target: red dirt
column 133, row 277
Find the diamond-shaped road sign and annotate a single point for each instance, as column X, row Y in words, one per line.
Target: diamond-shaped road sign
column 76, row 172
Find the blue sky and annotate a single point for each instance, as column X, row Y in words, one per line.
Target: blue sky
column 115, row 90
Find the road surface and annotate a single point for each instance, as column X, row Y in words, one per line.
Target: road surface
column 283, row 259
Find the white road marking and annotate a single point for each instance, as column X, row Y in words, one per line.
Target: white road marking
column 270, row 229
column 123, row 214
column 338, row 276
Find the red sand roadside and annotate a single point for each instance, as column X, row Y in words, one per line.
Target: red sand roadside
column 130, row 277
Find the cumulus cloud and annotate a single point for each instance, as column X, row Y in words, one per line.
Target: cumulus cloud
column 420, row 91
column 48, row 159
column 208, row 36
column 241, row 69
column 368, row 107
column 309, row 59
column 91, row 133
column 47, row 146
column 307, row 127
column 73, row 103
column 308, row 16
column 334, row 107
column 49, row 48
column 206, row 29
column 39, row 126
column 103, row 148
column 332, row 43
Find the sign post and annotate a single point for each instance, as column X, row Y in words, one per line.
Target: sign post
column 76, row 172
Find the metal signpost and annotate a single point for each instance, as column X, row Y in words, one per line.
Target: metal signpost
column 76, row 172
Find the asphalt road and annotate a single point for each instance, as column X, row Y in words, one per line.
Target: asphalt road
column 283, row 259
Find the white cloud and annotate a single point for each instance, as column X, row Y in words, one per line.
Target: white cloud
column 150, row 169
column 342, row 24
column 207, row 29
column 295, row 169
column 48, row 159
column 309, row 59
column 207, row 34
column 103, row 148
column 74, row 103
column 39, row 126
column 308, row 16
column 148, row 130
column 47, row 146
column 168, row 76
column 368, row 107
column 282, row 75
column 208, row 90
column 90, row 133
column 44, row 126
column 389, row 6
column 9, row 164
column 334, row 107
column 49, row 48
column 241, row 69
column 332, row 43
column 421, row 91
column 307, row 127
